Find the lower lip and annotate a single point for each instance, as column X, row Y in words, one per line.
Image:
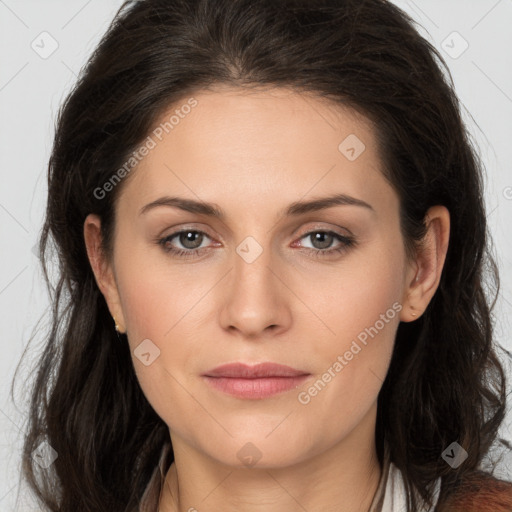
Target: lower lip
column 255, row 388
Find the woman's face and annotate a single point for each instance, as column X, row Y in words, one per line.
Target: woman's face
column 318, row 289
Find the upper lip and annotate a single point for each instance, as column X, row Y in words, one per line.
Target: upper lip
column 245, row 371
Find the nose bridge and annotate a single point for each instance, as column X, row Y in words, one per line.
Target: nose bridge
column 251, row 273
column 254, row 298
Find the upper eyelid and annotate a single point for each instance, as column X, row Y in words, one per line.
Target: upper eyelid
column 318, row 225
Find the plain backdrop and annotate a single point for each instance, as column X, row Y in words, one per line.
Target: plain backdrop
column 44, row 44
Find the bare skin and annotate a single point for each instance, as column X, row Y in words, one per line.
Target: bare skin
column 252, row 154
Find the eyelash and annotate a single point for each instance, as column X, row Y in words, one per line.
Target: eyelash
column 346, row 243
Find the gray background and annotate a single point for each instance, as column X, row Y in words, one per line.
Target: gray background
column 33, row 85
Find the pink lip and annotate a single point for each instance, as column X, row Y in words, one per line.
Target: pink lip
column 254, row 382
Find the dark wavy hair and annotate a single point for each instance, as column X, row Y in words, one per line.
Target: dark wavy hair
column 445, row 382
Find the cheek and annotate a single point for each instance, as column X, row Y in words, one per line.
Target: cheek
column 359, row 306
column 352, row 295
column 156, row 293
column 163, row 303
column 157, row 310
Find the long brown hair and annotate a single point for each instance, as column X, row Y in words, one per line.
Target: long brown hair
column 445, row 382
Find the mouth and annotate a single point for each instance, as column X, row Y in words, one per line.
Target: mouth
column 254, row 382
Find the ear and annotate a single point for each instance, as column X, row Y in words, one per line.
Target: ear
column 102, row 268
column 424, row 273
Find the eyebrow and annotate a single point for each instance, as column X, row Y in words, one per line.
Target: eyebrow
column 294, row 209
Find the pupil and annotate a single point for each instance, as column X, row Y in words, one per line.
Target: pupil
column 325, row 243
column 189, row 239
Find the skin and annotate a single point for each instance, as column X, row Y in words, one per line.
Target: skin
column 253, row 153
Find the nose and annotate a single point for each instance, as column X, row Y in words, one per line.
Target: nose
column 255, row 300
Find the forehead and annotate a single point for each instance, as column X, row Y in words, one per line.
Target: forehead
column 248, row 143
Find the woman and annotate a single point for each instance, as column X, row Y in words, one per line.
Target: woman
column 272, row 244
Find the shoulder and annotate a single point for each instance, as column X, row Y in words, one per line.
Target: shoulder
column 478, row 492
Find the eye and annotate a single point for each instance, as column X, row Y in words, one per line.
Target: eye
column 188, row 243
column 190, row 240
column 322, row 242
